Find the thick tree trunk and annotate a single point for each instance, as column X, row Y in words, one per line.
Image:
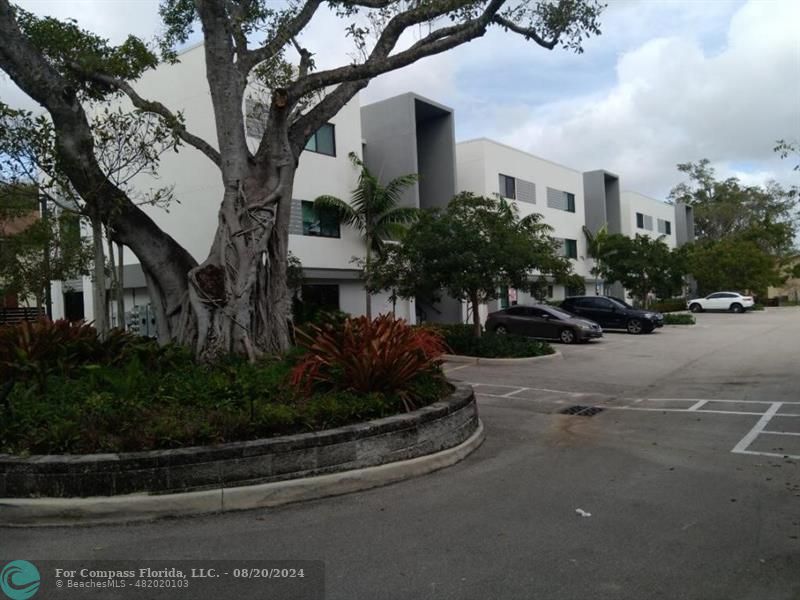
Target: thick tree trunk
column 239, row 295
column 476, row 314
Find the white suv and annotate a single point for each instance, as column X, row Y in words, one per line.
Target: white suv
column 731, row 301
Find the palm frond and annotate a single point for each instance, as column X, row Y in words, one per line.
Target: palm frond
column 345, row 214
column 402, row 215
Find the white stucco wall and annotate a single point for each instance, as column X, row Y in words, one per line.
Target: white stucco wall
column 634, row 202
column 480, row 162
column 192, row 221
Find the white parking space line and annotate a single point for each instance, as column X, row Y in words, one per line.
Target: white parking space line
column 698, row 404
column 510, row 394
column 780, row 433
column 744, row 443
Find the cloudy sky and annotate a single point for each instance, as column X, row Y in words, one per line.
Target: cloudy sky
column 667, row 82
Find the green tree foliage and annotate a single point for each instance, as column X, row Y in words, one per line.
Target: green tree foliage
column 642, row 265
column 375, row 211
column 46, row 249
column 732, row 264
column 471, row 250
column 744, row 233
column 766, row 215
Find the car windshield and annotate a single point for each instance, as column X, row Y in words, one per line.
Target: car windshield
column 561, row 314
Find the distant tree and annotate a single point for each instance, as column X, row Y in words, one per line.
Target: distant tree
column 733, row 264
column 40, row 250
column 789, row 148
column 643, row 265
column 471, row 250
column 766, row 215
column 375, row 211
column 127, row 144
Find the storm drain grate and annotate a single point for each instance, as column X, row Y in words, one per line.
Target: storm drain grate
column 581, row 411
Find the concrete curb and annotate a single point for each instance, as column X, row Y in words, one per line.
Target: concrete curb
column 478, row 360
column 32, row 512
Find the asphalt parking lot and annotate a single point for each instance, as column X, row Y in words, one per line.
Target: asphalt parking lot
column 688, row 485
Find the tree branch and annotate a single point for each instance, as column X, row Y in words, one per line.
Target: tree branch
column 379, row 60
column 307, row 124
column 156, row 108
column 283, row 36
column 528, row 33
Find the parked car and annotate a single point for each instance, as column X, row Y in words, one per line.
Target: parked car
column 659, row 317
column 543, row 322
column 732, row 301
column 610, row 314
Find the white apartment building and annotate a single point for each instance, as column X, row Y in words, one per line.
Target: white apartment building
column 404, row 134
column 534, row 185
column 644, row 215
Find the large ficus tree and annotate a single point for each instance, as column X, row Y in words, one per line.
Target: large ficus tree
column 237, row 298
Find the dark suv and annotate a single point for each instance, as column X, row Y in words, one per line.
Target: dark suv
column 611, row 314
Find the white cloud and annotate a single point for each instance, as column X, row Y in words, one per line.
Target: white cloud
column 668, row 81
column 675, row 101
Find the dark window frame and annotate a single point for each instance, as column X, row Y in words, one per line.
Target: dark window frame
column 313, row 139
column 639, row 220
column 567, row 246
column 306, row 230
column 505, row 191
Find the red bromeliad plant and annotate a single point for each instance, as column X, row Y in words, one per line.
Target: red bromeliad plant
column 383, row 355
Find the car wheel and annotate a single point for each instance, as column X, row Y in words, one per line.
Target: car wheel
column 501, row 330
column 567, row 336
column 635, row 326
column 736, row 307
column 696, row 308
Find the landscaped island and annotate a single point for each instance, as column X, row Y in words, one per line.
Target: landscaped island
column 67, row 391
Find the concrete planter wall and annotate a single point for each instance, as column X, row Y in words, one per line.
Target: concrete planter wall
column 439, row 426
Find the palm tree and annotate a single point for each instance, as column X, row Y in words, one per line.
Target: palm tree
column 594, row 249
column 374, row 210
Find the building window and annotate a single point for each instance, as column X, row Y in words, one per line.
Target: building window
column 320, row 296
column 549, row 291
column 323, row 141
column 319, row 223
column 508, row 187
column 561, row 200
column 644, row 221
column 664, row 226
column 569, row 248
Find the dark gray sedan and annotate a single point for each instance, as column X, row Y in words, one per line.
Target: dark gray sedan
column 540, row 321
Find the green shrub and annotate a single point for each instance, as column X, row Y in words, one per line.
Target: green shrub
column 383, row 355
column 669, row 305
column 145, row 403
column 460, row 339
column 679, row 319
column 757, row 307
